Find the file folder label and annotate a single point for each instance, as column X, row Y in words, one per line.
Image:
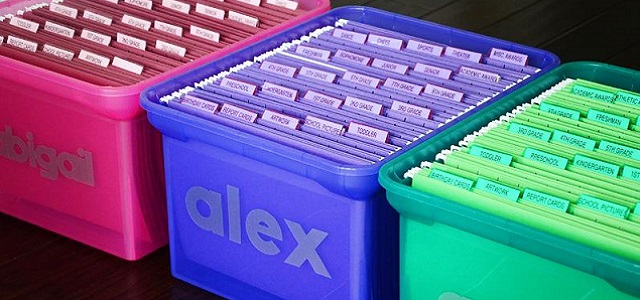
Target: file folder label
column 560, row 111
column 478, row 74
column 63, row 10
column 170, row 48
column 96, row 17
column 363, row 105
column 443, row 93
column 317, row 74
column 280, row 91
column 361, row 79
column 609, row 119
column 632, row 173
column 177, row 6
column 573, row 140
column 355, row 37
column 55, row 51
column 284, row 70
column 494, row 156
column 1, row 40
column 410, row 109
column 148, row 4
column 59, row 29
column 324, row 99
column 619, row 150
column 546, row 158
column 168, row 28
column 288, row 4
column 424, row 48
column 313, row 52
column 498, row 189
column 545, row 200
column 94, row 58
column 238, row 86
column 22, row 44
column 210, row 11
column 244, row 19
column 509, row 57
column 389, row 66
column 529, row 131
column 368, row 132
column 127, row 65
column 24, row 24
column 352, row 57
column 605, row 207
column 99, row 38
column 433, row 71
column 383, row 41
column 324, row 125
column 238, row 113
column 203, row 105
column 204, row 33
column 403, row 86
column 593, row 93
column 636, row 209
column 595, row 165
column 462, row 54
column 628, row 98
column 136, row 22
column 131, row 41
column 280, row 119
column 251, row 2
column 451, row 179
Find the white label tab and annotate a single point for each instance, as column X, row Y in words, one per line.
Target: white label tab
column 127, row 65
column 389, row 66
column 278, row 68
column 443, row 93
column 200, row 104
column 148, row 4
column 479, row 74
column 239, row 86
column 238, row 113
column 433, row 71
column 112, row 1
column 313, row 52
column 1, row 39
column 210, row 11
column 383, row 41
column 63, row 10
column 136, row 22
column 55, row 51
column 323, row 99
column 131, row 41
column 24, row 24
column 412, row 110
column 59, row 29
column 280, row 91
column 251, row 2
column 424, row 48
column 97, row 18
column 244, row 19
column 22, row 44
column 280, row 119
column 352, row 57
column 463, row 54
column 94, row 58
column 361, row 79
column 168, row 28
column 403, row 86
column 317, row 74
column 368, row 132
column 171, row 48
column 355, row 37
column 177, row 6
column 96, row 37
column 324, row 125
column 509, row 57
column 288, row 4
column 205, row 34
column 363, row 105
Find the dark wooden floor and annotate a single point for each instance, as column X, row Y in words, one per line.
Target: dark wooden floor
column 36, row 264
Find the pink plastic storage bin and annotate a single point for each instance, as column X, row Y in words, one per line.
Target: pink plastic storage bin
column 82, row 160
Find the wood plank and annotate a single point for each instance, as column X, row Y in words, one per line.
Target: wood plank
column 20, row 238
column 410, row 8
column 629, row 57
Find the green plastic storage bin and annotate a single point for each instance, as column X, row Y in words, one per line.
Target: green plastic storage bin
column 452, row 251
